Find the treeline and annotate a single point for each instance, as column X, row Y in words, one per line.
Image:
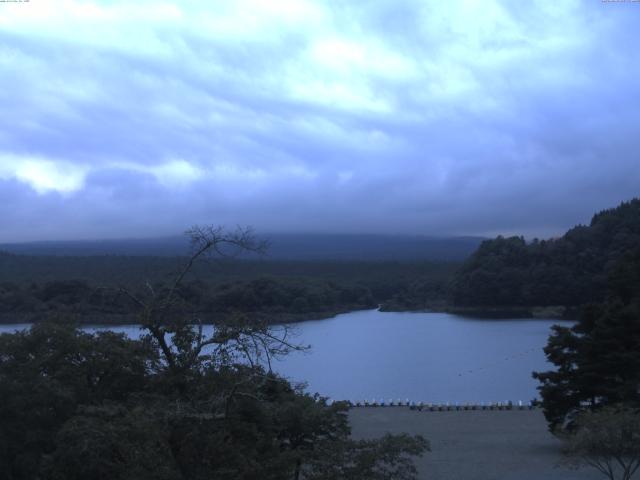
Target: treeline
column 281, row 299
column 91, row 288
column 571, row 270
column 383, row 277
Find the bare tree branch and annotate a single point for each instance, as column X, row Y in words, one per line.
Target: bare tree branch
column 182, row 342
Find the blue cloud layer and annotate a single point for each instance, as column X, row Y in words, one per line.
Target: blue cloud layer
column 430, row 117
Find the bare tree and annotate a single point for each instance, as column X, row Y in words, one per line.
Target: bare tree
column 607, row 440
column 181, row 338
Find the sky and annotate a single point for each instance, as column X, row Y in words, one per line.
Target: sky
column 142, row 118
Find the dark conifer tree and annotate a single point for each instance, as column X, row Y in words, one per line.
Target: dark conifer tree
column 597, row 360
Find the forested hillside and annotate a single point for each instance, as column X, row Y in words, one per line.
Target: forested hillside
column 571, row 270
column 33, row 288
column 597, row 359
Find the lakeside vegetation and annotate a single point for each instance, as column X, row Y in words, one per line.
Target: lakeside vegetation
column 569, row 271
column 88, row 287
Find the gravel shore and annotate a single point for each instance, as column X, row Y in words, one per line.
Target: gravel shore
column 475, row 445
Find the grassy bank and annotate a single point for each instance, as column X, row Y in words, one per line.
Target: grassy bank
column 475, row 445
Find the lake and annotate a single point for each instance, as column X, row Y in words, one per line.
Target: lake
column 429, row 357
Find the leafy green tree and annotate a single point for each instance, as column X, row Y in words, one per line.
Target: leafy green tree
column 388, row 458
column 571, row 270
column 607, row 440
column 598, row 359
column 112, row 442
column 47, row 373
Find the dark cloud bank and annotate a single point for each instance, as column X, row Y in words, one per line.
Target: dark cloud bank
column 431, row 119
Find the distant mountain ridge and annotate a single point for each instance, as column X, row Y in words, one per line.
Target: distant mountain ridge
column 282, row 247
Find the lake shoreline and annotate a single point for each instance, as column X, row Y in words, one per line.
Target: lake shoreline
column 558, row 312
column 546, row 312
column 133, row 319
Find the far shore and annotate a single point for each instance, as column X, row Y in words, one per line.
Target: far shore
column 548, row 312
column 100, row 318
column 133, row 319
column 558, row 312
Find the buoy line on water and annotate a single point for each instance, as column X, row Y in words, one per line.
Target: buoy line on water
column 446, row 407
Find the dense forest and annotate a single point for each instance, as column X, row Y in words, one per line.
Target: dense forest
column 569, row 271
column 33, row 288
column 280, row 299
column 296, row 277
column 598, row 359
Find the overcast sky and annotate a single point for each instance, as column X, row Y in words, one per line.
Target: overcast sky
column 141, row 118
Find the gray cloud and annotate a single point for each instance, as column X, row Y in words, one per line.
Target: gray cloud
column 434, row 118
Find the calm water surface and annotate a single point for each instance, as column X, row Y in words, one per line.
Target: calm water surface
column 430, row 357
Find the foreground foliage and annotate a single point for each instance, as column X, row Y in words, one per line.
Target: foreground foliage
column 75, row 405
column 607, row 440
column 176, row 404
